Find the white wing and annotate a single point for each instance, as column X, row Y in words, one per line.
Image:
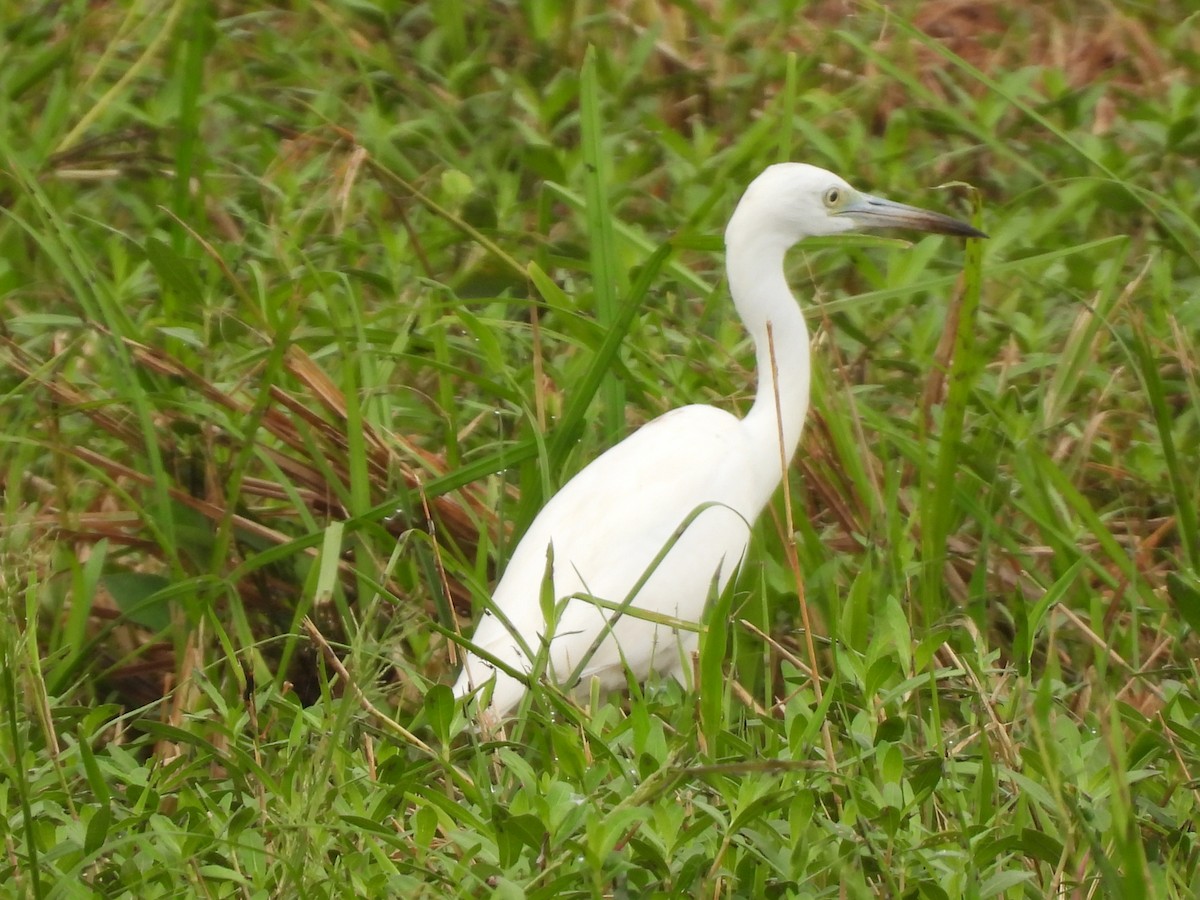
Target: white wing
column 606, row 526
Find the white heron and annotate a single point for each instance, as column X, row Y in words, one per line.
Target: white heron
column 699, row 465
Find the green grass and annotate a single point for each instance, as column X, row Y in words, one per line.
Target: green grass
column 307, row 310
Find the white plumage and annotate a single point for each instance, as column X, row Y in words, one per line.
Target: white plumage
column 609, row 523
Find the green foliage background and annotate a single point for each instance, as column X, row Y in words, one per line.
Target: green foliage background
column 307, row 309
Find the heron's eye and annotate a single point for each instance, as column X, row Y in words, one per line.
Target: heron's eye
column 833, row 197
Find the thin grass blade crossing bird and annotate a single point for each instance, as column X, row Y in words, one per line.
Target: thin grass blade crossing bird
column 697, row 465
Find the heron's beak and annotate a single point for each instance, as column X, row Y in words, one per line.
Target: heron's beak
column 875, row 212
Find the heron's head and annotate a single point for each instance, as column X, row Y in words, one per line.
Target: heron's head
column 791, row 201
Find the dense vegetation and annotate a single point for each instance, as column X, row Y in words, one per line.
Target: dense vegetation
column 306, row 310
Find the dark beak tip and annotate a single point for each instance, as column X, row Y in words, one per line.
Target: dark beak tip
column 962, row 229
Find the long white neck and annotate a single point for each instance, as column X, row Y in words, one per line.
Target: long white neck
column 765, row 303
